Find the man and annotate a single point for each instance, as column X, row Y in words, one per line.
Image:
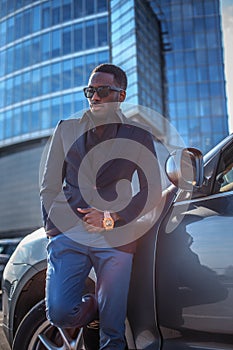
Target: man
column 87, row 217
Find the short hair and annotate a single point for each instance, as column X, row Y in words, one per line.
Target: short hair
column 119, row 75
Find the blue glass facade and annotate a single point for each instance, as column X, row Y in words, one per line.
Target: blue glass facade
column 136, row 46
column 195, row 71
column 47, row 50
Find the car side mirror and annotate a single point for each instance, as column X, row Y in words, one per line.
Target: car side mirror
column 184, row 168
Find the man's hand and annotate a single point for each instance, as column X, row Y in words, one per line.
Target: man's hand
column 93, row 219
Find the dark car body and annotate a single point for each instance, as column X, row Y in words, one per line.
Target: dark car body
column 181, row 293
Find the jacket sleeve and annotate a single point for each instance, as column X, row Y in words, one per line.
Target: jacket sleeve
column 53, row 173
column 150, row 191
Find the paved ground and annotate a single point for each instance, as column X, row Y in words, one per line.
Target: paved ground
column 3, row 343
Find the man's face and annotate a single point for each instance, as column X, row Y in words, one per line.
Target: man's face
column 102, row 105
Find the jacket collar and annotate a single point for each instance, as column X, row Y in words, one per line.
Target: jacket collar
column 88, row 117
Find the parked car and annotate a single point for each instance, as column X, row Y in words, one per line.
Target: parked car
column 181, row 293
column 7, row 247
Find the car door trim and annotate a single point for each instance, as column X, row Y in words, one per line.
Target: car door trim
column 201, row 199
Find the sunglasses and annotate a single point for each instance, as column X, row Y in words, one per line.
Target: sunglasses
column 102, row 91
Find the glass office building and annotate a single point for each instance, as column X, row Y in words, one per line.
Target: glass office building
column 195, row 71
column 48, row 49
column 170, row 49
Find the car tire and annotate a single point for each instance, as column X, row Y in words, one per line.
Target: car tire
column 36, row 333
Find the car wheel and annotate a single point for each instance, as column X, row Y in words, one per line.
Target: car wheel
column 36, row 333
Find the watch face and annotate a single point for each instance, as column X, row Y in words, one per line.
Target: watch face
column 108, row 223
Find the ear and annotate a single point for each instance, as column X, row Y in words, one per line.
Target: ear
column 122, row 96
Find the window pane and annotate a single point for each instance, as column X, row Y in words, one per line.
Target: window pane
column 200, row 41
column 181, row 92
column 90, row 63
column 66, row 41
column 26, row 22
column 67, row 106
column 102, row 5
column 66, row 12
column 212, row 39
column 56, row 43
column 203, row 74
column 35, row 117
column 17, row 121
column 2, row 94
column 204, row 90
column 188, row 42
column 18, row 57
column 45, row 114
column 78, row 72
column 45, row 80
column 26, row 119
column 78, row 8
column 210, row 6
column 103, row 57
column 27, row 53
column 18, row 26
column 102, row 32
column 214, row 72
column 216, row 89
column 3, row 34
column 9, row 60
column 90, row 7
column 56, row 73
column 46, row 16
column 8, row 124
column 9, row 91
column 36, row 51
column 56, row 110
column 189, row 57
column 35, row 83
column 10, row 29
column 90, row 34
column 218, row 107
column 45, row 46
column 78, row 101
column 205, row 108
column 36, row 20
column 56, row 14
column 201, row 57
column 26, row 86
column 67, row 74
column 78, row 38
column 2, row 118
column 18, row 88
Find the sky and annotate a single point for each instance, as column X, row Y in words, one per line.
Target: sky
column 227, row 28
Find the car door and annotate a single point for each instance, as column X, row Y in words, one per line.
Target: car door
column 194, row 265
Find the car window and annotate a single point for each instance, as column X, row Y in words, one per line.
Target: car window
column 224, row 178
column 227, row 180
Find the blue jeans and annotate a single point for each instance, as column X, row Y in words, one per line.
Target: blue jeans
column 69, row 264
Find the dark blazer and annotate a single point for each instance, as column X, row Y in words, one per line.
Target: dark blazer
column 75, row 179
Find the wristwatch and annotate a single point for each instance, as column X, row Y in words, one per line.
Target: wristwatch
column 108, row 222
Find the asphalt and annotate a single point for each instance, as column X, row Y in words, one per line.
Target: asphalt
column 3, row 342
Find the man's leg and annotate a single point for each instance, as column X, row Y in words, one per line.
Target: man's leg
column 68, row 268
column 113, row 270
